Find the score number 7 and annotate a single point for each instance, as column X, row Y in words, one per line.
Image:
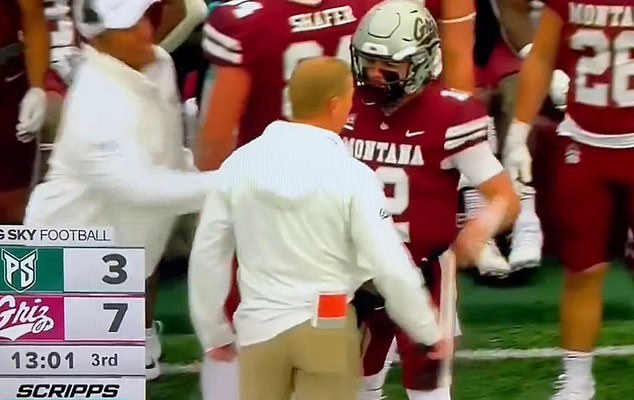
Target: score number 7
column 398, row 203
column 116, row 264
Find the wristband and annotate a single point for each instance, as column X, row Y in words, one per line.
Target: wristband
column 492, row 216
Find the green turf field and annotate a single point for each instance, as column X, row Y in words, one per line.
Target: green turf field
column 522, row 322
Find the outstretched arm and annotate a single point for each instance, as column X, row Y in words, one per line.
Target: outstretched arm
column 36, row 39
column 457, row 28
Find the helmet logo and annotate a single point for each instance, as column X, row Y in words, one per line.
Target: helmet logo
column 422, row 28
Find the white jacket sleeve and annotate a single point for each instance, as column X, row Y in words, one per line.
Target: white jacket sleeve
column 210, row 267
column 118, row 167
column 388, row 262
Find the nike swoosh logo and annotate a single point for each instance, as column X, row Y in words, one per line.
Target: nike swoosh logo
column 13, row 77
column 412, row 134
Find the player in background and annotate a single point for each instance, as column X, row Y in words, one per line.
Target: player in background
column 419, row 138
column 63, row 58
column 593, row 45
column 504, row 34
column 247, row 65
column 456, row 23
column 24, row 55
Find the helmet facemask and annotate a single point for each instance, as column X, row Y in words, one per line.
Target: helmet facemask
column 397, row 32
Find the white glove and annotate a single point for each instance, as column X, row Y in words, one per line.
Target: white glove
column 516, row 157
column 559, row 88
column 32, row 114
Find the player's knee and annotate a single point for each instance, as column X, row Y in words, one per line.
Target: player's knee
column 593, row 275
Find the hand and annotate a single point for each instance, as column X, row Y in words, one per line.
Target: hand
column 226, row 353
column 518, row 161
column 471, row 242
column 442, row 350
column 559, row 88
column 32, row 114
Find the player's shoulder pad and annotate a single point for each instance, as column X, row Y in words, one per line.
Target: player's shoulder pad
column 470, row 122
column 230, row 28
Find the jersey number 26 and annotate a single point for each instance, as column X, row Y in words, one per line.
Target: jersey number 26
column 608, row 54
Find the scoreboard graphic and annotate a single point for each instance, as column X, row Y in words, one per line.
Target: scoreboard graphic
column 72, row 315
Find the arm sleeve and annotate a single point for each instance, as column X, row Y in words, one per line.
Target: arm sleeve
column 210, row 267
column 230, row 35
column 384, row 257
column 477, row 163
column 119, row 168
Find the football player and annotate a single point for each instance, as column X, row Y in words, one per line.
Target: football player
column 504, row 33
column 248, row 65
column 592, row 41
column 419, row 137
column 23, row 100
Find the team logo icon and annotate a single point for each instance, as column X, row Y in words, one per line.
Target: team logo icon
column 20, row 272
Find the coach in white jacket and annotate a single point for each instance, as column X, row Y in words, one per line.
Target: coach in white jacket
column 308, row 224
column 119, row 159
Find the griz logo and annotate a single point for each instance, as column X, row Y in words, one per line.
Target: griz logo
column 67, row 391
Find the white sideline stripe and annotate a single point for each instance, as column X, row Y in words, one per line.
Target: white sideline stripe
column 491, row 354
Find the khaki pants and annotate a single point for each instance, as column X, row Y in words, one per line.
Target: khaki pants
column 316, row 364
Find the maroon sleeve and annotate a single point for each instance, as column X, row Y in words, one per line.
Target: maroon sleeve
column 560, row 7
column 230, row 34
column 470, row 123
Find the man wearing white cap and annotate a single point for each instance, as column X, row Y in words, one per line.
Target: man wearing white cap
column 119, row 159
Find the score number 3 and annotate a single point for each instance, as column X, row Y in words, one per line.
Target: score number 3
column 399, row 201
column 615, row 55
column 299, row 51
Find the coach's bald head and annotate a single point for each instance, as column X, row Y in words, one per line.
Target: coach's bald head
column 320, row 91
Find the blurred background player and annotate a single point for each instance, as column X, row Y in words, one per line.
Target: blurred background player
column 595, row 152
column 24, row 55
column 63, row 58
column 456, row 23
column 419, row 137
column 504, row 33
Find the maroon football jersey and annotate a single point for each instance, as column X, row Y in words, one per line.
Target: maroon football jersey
column 596, row 46
column 411, row 151
column 10, row 22
column 269, row 38
column 10, row 26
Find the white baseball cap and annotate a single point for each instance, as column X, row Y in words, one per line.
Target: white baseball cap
column 93, row 17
